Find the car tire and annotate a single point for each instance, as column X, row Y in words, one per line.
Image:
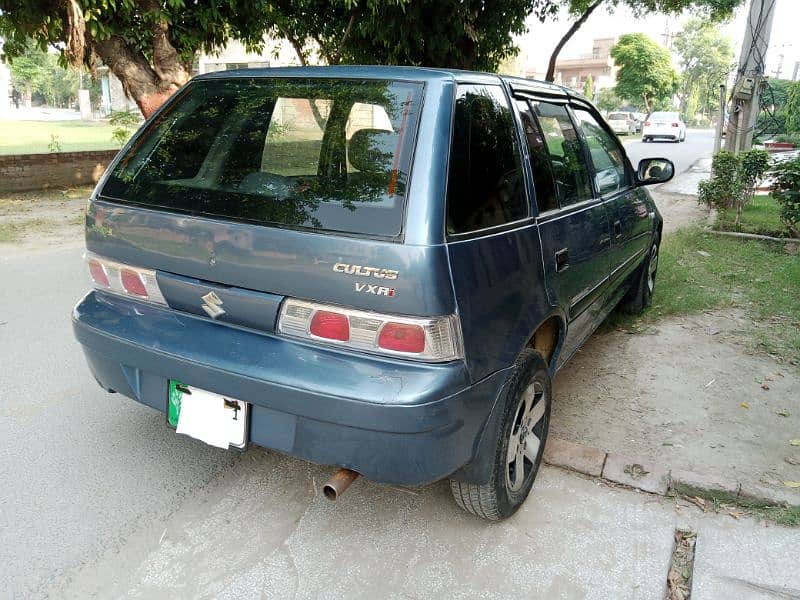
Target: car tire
column 525, row 422
column 640, row 296
column 644, row 139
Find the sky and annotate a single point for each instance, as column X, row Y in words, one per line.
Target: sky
column 540, row 40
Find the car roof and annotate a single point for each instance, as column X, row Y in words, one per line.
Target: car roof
column 421, row 74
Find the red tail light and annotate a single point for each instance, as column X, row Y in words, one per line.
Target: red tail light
column 125, row 280
column 98, row 273
column 402, row 337
column 133, row 283
column 676, row 125
column 330, row 325
column 647, row 123
column 434, row 339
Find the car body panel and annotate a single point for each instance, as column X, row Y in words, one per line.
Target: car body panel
column 392, row 419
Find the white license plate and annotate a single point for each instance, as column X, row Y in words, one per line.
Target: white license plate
column 217, row 420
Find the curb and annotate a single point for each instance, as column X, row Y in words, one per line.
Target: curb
column 652, row 478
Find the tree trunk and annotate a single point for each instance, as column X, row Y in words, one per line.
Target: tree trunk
column 149, row 85
column 551, row 67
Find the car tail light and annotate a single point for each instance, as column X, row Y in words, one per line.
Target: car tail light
column 330, row 326
column 402, row 337
column 676, row 125
column 124, row 279
column 647, row 123
column 98, row 273
column 435, row 339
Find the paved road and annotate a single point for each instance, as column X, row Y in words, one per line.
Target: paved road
column 99, row 497
column 699, row 143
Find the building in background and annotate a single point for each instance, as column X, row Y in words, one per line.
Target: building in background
column 572, row 72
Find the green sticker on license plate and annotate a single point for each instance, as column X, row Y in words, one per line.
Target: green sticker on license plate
column 174, row 402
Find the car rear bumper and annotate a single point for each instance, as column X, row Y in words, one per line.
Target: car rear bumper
column 391, row 420
column 661, row 135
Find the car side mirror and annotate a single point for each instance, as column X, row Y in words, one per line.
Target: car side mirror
column 654, row 170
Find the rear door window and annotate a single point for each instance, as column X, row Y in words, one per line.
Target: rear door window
column 608, row 159
column 561, row 139
column 539, row 158
column 322, row 154
column 485, row 185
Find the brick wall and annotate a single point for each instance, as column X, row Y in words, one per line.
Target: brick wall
column 22, row 172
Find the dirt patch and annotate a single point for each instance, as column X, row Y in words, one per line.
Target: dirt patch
column 687, row 394
column 679, row 210
column 42, row 219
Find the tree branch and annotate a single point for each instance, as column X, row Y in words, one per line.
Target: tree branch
column 336, row 56
column 298, row 47
column 551, row 67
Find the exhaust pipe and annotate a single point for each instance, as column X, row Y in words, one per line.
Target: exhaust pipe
column 338, row 484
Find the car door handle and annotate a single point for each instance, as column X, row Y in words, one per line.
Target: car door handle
column 617, row 229
column 562, row 260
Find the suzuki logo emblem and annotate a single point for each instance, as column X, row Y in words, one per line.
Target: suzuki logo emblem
column 212, row 304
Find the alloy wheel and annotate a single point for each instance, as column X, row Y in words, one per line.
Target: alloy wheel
column 652, row 267
column 525, row 440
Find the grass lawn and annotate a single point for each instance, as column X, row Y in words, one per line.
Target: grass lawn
column 761, row 216
column 32, row 137
column 698, row 271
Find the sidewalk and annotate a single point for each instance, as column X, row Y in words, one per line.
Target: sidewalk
column 266, row 531
column 686, row 183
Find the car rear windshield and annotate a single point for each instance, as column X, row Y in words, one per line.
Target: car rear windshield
column 665, row 116
column 323, row 154
column 618, row 116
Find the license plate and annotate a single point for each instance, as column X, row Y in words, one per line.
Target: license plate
column 217, row 420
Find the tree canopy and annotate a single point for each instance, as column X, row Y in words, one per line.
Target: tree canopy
column 645, row 74
column 707, row 58
column 581, row 10
column 150, row 44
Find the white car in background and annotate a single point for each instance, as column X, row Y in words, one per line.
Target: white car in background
column 664, row 126
column 622, row 123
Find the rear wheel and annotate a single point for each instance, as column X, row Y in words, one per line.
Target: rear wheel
column 518, row 447
column 640, row 296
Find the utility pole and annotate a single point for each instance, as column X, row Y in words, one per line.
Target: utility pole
column 796, row 69
column 749, row 76
column 720, row 120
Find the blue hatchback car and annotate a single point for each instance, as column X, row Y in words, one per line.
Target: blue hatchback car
column 377, row 268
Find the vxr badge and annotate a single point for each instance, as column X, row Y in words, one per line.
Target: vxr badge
column 212, row 304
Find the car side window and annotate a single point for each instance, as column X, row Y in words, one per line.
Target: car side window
column 561, row 139
column 608, row 159
column 546, row 197
column 485, row 185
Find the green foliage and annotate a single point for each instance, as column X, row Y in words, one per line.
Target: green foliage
column 793, row 108
column 786, row 190
column 733, row 180
column 645, row 76
column 55, row 143
column 788, row 138
column 607, row 100
column 125, row 123
column 714, row 10
column 724, row 186
column 707, row 58
column 588, row 87
column 40, row 73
